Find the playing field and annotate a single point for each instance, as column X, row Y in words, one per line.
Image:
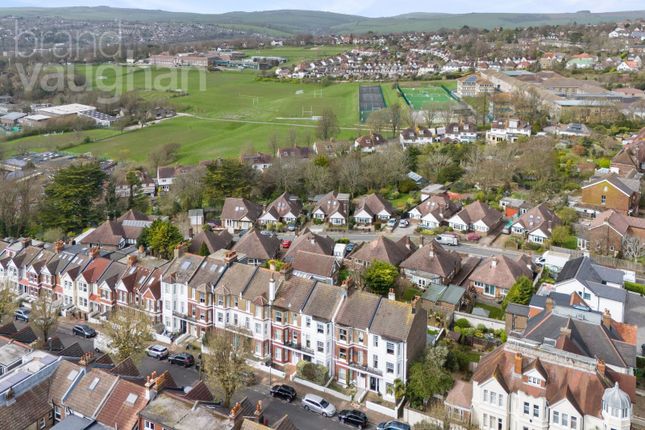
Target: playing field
column 420, row 97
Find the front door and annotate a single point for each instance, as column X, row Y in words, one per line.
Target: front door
column 374, row 384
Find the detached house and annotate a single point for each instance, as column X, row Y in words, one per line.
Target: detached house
column 372, row 208
column 477, row 216
column 602, row 288
column 257, row 248
column 310, row 242
column 495, row 276
column 239, row 214
column 508, row 131
column 463, row 132
column 434, row 211
column 369, row 143
column 608, row 230
column 431, row 264
column 631, row 157
column 382, row 249
column 165, row 177
column 119, row 233
column 333, row 208
column 611, row 192
column 285, row 209
column 536, row 224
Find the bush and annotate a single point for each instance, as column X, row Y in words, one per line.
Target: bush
column 635, row 287
column 316, row 373
column 462, row 323
column 407, row 185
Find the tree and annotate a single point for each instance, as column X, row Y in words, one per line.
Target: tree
column 44, row 316
column 129, row 331
column 161, row 237
column 7, row 302
column 429, row 376
column 71, row 199
column 380, row 276
column 520, row 293
column 560, row 235
column 203, row 250
column 567, row 215
column 395, row 117
column 327, row 125
column 378, row 120
column 225, row 362
column 136, row 198
column 633, row 248
column 167, row 154
column 227, row 178
column 397, row 389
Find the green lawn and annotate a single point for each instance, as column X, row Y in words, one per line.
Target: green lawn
column 298, row 54
column 495, row 311
column 231, row 111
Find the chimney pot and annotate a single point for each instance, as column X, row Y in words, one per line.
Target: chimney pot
column 601, row 367
column 518, row 364
column 549, row 304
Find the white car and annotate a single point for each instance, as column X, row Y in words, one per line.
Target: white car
column 447, row 239
column 312, row 402
column 404, row 223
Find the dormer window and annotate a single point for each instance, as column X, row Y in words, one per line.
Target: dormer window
column 532, row 380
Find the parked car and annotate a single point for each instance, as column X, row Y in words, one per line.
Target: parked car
column 539, row 261
column 83, row 330
column 286, row 243
column 284, row 392
column 350, row 247
column 292, row 226
column 22, row 314
column 353, row 417
column 157, row 351
column 183, row 359
column 266, row 233
column 391, row 223
column 312, row 402
column 404, row 223
column 447, row 239
column 393, row 425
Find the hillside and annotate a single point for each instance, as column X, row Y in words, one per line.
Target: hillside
column 300, row 21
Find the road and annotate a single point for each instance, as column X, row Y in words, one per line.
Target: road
column 274, row 409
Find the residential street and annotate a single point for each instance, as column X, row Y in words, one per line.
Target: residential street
column 274, row 408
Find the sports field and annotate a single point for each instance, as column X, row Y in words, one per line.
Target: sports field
column 420, row 97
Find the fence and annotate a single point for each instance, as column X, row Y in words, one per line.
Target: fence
column 384, row 410
column 475, row 320
column 322, row 389
column 414, row 417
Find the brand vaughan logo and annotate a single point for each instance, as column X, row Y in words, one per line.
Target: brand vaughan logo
column 109, row 80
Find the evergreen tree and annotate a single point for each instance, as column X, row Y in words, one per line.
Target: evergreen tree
column 380, row 276
column 161, row 237
column 227, row 178
column 72, row 200
column 521, row 292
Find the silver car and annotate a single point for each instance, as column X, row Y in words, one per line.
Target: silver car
column 312, row 402
column 157, row 351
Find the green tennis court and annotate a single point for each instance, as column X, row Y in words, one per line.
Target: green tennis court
column 419, row 97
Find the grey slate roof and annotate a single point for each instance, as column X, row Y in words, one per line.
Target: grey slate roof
column 594, row 277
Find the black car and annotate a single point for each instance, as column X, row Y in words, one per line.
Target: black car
column 83, row 330
column 284, row 392
column 353, row 417
column 183, row 359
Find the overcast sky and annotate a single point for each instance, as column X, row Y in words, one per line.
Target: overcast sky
column 359, row 7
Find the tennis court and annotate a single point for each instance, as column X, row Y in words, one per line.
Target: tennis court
column 419, row 97
column 370, row 99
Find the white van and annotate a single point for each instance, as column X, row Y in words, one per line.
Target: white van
column 447, row 239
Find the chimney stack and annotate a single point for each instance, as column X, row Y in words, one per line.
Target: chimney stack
column 59, row 245
column 132, row 260
column 230, row 257
column 272, row 266
column 606, row 319
column 517, row 369
column 142, row 250
column 258, row 411
column 272, row 290
column 179, row 250
column 548, row 306
column 391, row 295
column 286, row 271
column 601, row 367
column 94, row 252
column 415, row 304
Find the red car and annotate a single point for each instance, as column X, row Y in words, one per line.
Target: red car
column 286, row 243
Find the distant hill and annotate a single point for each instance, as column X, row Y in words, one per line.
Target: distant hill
column 299, row 21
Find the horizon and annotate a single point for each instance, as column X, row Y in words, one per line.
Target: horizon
column 369, row 8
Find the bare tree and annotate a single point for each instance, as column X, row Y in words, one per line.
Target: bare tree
column 633, row 248
column 129, row 331
column 7, row 301
column 44, row 316
column 225, row 362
